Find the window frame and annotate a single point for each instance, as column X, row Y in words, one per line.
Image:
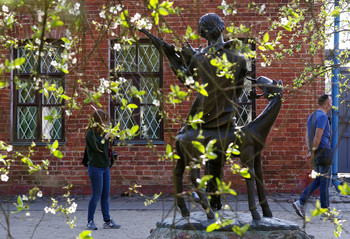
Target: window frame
column 252, row 74
column 39, row 100
column 135, row 77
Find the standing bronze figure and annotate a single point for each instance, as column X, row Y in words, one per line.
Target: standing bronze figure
column 223, row 70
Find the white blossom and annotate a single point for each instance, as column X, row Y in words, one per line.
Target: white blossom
column 5, row 8
column 74, row 61
column 117, row 47
column 122, row 80
column 77, row 6
column 136, row 17
column 225, row 9
column 143, row 23
column 119, row 7
column 103, row 14
column 37, row 41
column 68, row 112
column 28, row 214
column 9, row 148
column 54, row 63
column 262, row 8
column 113, row 10
column 46, row 209
column 284, row 21
column 40, row 16
column 4, row 177
column 72, row 208
column 75, row 10
column 115, row 25
column 313, row 174
column 24, row 198
column 50, row 210
column 40, row 194
column 263, row 64
column 189, row 80
column 156, row 102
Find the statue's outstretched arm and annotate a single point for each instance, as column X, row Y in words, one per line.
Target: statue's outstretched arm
column 181, row 62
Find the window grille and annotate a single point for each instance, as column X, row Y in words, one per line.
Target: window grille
column 140, row 66
column 247, row 110
column 38, row 115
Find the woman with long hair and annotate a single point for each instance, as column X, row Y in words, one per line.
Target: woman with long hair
column 98, row 168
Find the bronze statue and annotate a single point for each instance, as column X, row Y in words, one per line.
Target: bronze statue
column 219, row 109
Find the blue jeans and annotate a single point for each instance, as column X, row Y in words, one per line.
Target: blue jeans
column 100, row 184
column 321, row 182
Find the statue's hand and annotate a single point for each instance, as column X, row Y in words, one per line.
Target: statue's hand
column 252, row 95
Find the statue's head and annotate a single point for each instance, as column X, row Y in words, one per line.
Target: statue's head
column 211, row 26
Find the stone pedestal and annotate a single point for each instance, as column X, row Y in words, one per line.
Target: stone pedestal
column 195, row 226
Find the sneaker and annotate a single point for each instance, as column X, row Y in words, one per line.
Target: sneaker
column 111, row 225
column 330, row 216
column 299, row 209
column 91, row 225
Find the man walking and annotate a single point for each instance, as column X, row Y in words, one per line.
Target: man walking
column 318, row 140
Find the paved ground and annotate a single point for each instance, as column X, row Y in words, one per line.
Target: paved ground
column 138, row 220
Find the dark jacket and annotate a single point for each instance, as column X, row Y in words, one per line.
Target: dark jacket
column 97, row 149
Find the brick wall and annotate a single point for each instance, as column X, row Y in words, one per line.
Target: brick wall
column 285, row 169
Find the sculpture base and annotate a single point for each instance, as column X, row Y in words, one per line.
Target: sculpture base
column 195, row 226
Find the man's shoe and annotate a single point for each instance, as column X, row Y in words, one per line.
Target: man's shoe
column 91, row 225
column 299, row 209
column 330, row 216
column 111, row 225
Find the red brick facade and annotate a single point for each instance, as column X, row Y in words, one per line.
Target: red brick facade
column 285, row 169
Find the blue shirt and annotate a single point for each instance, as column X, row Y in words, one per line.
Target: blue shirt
column 319, row 119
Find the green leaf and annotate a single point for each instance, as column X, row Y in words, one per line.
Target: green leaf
column 66, row 40
column 132, row 106
column 156, row 18
column 344, row 189
column 194, row 37
column 153, row 3
column 3, row 84
column 163, row 11
column 19, row 201
column 65, row 97
column 57, row 23
column 54, row 145
column 288, row 28
column 335, row 12
column 203, row 92
column 58, row 154
column 124, row 102
column 240, row 230
column 266, row 37
column 199, row 146
column 236, row 152
column 245, row 173
column 134, row 129
column 188, row 30
column 19, row 61
column 212, row 227
column 214, row 62
column 204, row 180
column 168, row 150
column 269, row 46
column 85, row 235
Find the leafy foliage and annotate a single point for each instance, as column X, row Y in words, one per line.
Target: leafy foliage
column 298, row 31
